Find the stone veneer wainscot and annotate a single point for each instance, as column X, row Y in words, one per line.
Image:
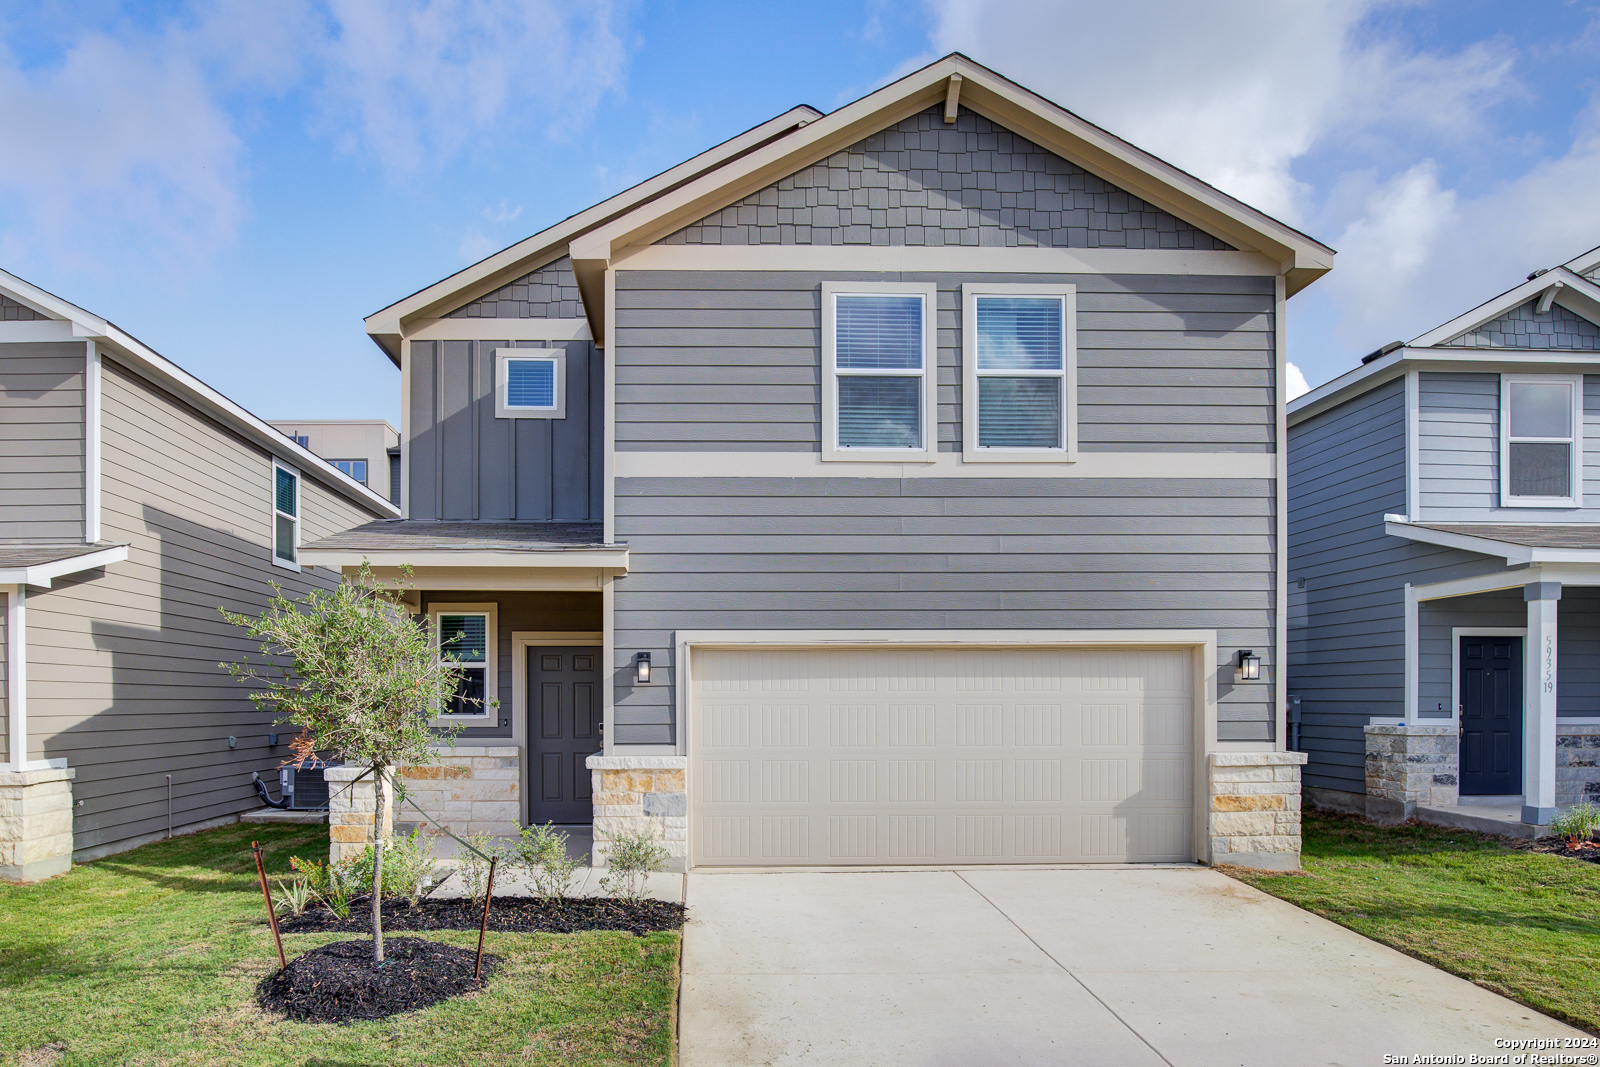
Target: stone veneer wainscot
column 1408, row 766
column 472, row 789
column 35, row 823
column 641, row 793
column 1254, row 810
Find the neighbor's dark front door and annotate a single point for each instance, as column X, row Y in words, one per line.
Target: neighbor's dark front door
column 1491, row 716
column 564, row 726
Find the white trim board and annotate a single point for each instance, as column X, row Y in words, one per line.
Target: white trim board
column 1456, row 634
column 498, row 330
column 1177, row 465
column 526, row 559
column 951, row 260
column 91, row 443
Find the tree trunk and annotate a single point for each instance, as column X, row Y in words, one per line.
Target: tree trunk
column 377, row 863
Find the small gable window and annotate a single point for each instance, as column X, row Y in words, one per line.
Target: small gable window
column 878, row 346
column 1541, row 440
column 530, row 383
column 1019, row 371
column 285, row 517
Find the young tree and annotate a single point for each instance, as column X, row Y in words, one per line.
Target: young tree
column 364, row 682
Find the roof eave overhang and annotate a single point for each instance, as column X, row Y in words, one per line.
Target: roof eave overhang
column 1301, row 258
column 391, row 325
column 614, row 560
column 1513, row 554
column 43, row 575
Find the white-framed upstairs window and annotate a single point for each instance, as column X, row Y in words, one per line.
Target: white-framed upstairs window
column 530, row 383
column 1541, row 440
column 285, row 516
column 1019, row 373
column 466, row 633
column 878, row 364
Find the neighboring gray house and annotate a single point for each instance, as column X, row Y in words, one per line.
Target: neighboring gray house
column 901, row 484
column 1444, row 549
column 134, row 500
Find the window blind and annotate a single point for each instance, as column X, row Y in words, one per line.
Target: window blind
column 1019, row 333
column 464, row 638
column 1019, row 412
column 878, row 332
column 531, row 383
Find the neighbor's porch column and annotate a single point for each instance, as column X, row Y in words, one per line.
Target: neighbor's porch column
column 1539, row 704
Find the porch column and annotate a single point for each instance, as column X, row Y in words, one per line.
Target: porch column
column 1539, row 704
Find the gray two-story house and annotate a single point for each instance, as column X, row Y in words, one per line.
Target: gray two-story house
column 1444, row 546
column 902, row 484
column 134, row 501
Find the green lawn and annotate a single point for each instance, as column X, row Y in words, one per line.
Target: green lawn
column 151, row 958
column 1519, row 923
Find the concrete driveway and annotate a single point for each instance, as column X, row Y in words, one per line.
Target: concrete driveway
column 1124, row 966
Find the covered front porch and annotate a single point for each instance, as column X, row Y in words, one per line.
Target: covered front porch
column 1501, row 728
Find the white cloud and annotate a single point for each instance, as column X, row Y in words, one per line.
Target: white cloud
column 1234, row 93
column 114, row 139
column 412, row 81
column 1296, row 383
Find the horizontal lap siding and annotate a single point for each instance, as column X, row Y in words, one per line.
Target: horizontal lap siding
column 5, row 671
column 731, row 361
column 1459, row 452
column 41, row 441
column 927, row 553
column 1347, row 469
column 466, row 464
column 124, row 681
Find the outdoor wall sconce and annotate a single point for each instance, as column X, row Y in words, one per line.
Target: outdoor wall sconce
column 1249, row 669
column 641, row 668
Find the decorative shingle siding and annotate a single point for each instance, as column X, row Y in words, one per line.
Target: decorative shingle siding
column 11, row 311
column 551, row 292
column 1521, row 328
column 925, row 183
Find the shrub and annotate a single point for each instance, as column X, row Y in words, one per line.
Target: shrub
column 631, row 858
column 475, row 868
column 335, row 884
column 542, row 852
column 1576, row 825
column 294, row 896
column 407, row 866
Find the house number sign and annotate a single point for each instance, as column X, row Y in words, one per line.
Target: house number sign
column 1549, row 664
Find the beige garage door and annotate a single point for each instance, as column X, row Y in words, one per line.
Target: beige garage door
column 833, row 757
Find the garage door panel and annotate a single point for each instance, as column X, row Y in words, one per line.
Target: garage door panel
column 1000, row 756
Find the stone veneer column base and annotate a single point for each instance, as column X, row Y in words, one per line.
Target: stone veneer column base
column 350, row 808
column 471, row 789
column 641, row 792
column 35, row 824
column 1253, row 814
column 1577, row 764
column 1408, row 765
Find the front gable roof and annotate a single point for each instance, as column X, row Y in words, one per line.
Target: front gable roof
column 23, row 302
column 801, row 138
column 1561, row 286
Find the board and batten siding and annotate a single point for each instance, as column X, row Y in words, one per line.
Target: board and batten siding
column 928, row 553
column 124, row 681
column 730, row 360
column 1459, row 452
column 467, row 465
column 41, row 441
column 1346, row 656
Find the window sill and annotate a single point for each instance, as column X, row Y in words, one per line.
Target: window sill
column 286, row 564
column 987, row 455
column 1537, row 502
column 870, row 456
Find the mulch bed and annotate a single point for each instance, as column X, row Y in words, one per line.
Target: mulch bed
column 1557, row 846
column 340, row 983
column 512, row 914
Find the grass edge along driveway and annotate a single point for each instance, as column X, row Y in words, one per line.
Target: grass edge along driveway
column 151, row 957
column 1522, row 924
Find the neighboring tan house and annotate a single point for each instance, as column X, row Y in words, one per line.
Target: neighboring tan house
column 1444, row 550
column 134, row 500
column 898, row 485
column 368, row 450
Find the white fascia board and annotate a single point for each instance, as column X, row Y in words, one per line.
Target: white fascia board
column 1511, row 298
column 550, row 243
column 1513, row 554
column 984, row 91
column 1357, row 380
column 43, row 575
column 1585, row 263
column 153, row 365
column 612, row 559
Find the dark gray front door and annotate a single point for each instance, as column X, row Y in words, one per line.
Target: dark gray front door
column 564, row 729
column 1491, row 716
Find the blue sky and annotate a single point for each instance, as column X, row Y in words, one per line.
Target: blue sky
column 238, row 183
